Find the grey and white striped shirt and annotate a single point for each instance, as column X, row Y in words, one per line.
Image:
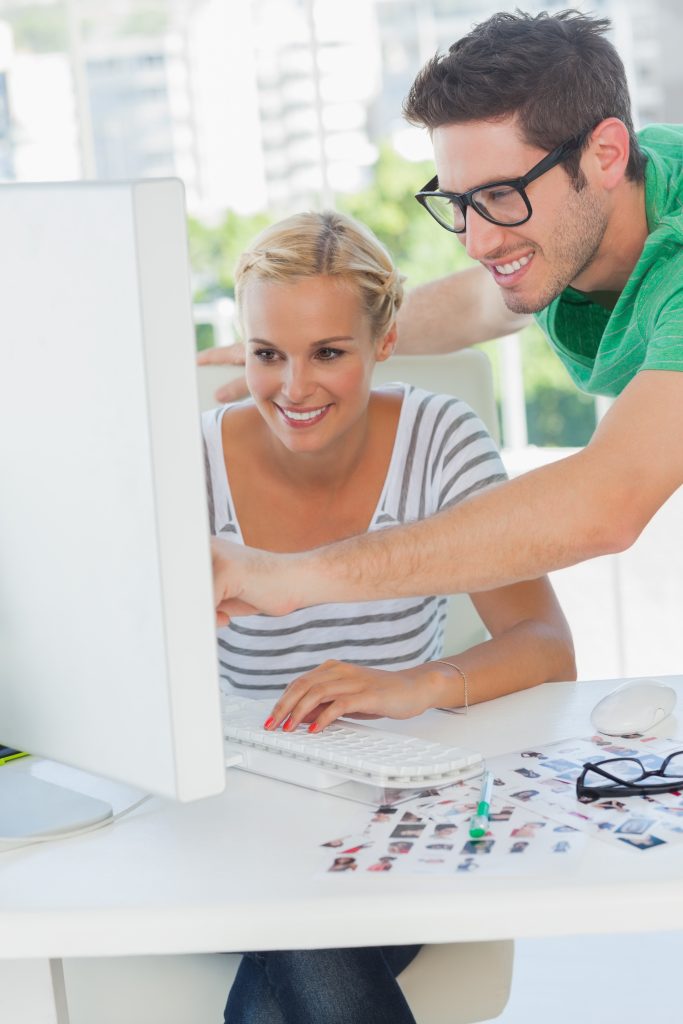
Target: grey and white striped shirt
column 442, row 453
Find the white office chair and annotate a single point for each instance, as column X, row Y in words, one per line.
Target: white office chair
column 453, row 983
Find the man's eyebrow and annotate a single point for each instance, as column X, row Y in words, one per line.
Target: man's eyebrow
column 500, row 179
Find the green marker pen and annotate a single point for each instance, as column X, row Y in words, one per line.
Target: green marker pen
column 480, row 821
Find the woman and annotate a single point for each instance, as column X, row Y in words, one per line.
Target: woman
column 315, row 456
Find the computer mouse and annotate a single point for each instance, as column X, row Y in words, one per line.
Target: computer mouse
column 634, row 707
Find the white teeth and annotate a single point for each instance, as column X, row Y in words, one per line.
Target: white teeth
column 291, row 415
column 510, row 268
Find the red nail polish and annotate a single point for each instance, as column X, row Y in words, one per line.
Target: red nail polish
column 268, row 722
column 313, row 727
column 288, row 726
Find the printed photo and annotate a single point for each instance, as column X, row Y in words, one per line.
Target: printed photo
column 530, row 828
column 635, row 826
column 383, row 864
column 445, row 829
column 504, row 814
column 384, row 814
column 611, row 805
column 343, row 864
column 556, row 785
column 478, row 846
column 469, row 864
column 642, row 842
column 400, row 847
column 407, row 831
column 559, row 766
column 650, row 762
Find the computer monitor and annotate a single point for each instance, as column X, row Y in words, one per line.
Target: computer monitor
column 107, row 629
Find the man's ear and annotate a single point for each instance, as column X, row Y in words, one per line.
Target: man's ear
column 387, row 345
column 610, row 148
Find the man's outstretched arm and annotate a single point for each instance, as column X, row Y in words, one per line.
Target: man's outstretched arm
column 453, row 312
column 593, row 503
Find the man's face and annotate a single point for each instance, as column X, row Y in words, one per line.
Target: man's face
column 556, row 247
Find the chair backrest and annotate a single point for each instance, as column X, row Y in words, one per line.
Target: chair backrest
column 465, row 374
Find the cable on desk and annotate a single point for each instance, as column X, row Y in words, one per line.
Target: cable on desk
column 16, row 843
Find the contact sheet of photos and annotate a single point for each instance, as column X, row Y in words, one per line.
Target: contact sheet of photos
column 544, row 780
column 429, row 834
column 535, row 817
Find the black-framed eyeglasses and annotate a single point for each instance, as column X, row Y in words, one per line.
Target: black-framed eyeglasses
column 628, row 776
column 500, row 202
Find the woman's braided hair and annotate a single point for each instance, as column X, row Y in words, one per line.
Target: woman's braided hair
column 330, row 244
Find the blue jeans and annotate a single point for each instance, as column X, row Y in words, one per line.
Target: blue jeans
column 321, row 986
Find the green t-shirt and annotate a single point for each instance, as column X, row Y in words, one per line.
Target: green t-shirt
column 603, row 350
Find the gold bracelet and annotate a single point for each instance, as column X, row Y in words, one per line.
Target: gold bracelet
column 455, row 711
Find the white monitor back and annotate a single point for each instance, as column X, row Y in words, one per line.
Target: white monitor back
column 107, row 641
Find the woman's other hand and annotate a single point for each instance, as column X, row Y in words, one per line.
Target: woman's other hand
column 336, row 688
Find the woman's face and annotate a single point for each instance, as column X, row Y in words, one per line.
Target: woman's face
column 310, row 357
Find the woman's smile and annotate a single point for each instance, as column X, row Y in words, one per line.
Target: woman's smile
column 301, row 418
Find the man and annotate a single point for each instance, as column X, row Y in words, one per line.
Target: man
column 576, row 220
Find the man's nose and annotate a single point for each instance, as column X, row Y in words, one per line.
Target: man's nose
column 481, row 236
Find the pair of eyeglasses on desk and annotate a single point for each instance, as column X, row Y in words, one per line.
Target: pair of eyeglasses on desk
column 627, row 776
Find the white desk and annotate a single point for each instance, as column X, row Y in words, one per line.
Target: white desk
column 236, row 871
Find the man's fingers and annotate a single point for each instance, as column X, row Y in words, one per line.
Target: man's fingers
column 226, row 355
column 222, row 355
column 232, row 607
column 232, row 391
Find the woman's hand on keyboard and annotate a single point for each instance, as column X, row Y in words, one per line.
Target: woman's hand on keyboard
column 337, row 688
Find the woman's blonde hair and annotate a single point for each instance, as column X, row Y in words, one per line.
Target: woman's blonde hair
column 327, row 243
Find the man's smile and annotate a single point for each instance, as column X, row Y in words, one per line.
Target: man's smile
column 509, row 272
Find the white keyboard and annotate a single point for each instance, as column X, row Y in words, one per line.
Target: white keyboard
column 343, row 751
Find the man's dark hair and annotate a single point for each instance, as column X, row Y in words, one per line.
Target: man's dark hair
column 557, row 73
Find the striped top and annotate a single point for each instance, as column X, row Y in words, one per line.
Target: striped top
column 442, row 453
column 603, row 350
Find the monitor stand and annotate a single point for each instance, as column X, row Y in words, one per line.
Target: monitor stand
column 31, row 809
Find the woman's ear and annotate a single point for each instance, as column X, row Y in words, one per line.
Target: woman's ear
column 387, row 344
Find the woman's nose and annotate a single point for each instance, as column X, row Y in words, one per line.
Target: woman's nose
column 298, row 384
